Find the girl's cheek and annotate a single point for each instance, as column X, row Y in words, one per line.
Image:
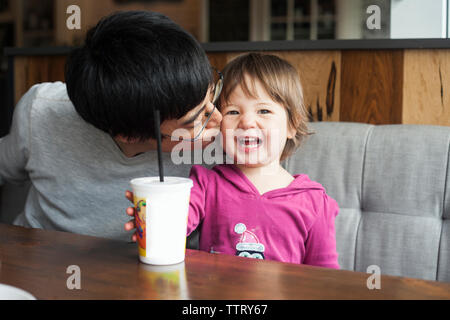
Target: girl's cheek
column 225, row 125
column 227, row 131
column 227, row 134
column 223, row 131
column 223, row 128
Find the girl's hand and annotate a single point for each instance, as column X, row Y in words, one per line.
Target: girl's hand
column 130, row 211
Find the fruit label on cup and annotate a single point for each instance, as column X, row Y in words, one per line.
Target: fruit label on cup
column 140, row 205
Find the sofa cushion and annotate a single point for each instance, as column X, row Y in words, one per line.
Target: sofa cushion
column 399, row 244
column 443, row 273
column 391, row 183
column 404, row 170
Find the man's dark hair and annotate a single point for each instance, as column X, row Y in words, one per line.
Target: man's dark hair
column 132, row 62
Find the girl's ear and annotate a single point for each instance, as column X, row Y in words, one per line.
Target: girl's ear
column 291, row 132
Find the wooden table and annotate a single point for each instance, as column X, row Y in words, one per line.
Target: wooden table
column 37, row 261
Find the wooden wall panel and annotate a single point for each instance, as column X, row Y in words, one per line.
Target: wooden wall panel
column 320, row 74
column 220, row 59
column 368, row 86
column 31, row 70
column 371, row 86
column 426, row 90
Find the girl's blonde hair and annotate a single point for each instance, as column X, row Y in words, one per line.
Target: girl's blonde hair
column 281, row 82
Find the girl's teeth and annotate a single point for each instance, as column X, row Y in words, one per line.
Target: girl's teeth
column 249, row 141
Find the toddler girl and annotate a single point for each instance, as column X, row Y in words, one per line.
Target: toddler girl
column 254, row 208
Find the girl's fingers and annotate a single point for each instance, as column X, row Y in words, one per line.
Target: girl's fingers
column 129, row 195
column 130, row 211
column 130, row 225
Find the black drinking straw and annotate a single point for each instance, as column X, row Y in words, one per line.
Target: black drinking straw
column 158, row 138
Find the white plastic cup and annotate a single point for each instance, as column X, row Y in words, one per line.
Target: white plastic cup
column 161, row 214
column 12, row 293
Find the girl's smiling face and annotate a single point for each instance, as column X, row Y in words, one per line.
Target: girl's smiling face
column 255, row 129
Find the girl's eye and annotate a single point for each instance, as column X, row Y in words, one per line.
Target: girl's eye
column 264, row 111
column 232, row 112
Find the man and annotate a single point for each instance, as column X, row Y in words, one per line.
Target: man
column 80, row 144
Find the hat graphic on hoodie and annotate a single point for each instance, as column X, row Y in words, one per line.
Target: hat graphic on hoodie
column 248, row 245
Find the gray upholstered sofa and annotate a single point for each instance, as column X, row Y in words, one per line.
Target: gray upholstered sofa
column 393, row 187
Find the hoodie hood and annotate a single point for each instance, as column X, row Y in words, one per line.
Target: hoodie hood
column 239, row 180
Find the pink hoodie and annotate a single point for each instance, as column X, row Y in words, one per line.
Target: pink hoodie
column 293, row 224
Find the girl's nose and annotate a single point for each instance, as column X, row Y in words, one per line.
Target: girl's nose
column 247, row 121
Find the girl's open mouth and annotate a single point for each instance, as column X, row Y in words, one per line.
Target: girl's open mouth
column 248, row 143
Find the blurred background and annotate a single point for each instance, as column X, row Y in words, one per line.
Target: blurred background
column 26, row 23
column 325, row 73
column 37, row 23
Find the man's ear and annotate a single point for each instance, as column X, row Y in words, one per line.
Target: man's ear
column 123, row 139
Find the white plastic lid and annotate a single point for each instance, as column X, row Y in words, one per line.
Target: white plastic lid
column 153, row 183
